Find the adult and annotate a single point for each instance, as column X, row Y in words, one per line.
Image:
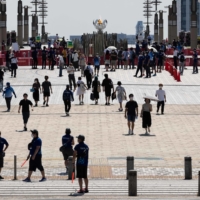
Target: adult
column 131, row 113
column 81, row 152
column 7, row 93
column 152, row 61
column 71, row 76
column 25, row 103
column 125, row 58
column 36, row 91
column 121, row 94
column 61, row 63
column 137, row 49
column 175, row 57
column 96, row 88
column 75, row 60
column 140, row 65
column 132, row 56
column 35, row 157
column 67, row 98
column 3, row 142
column 120, row 57
column 88, row 74
column 67, row 146
column 113, row 60
column 195, row 62
column 161, row 98
column 81, row 87
column 13, row 64
column 35, row 58
column 160, row 57
column 146, row 115
column 44, row 57
column 107, row 59
column 46, row 87
column 97, row 63
column 181, row 63
column 50, row 57
column 8, row 59
column 82, row 63
column 64, row 54
column 147, row 65
column 107, row 85
column 1, row 79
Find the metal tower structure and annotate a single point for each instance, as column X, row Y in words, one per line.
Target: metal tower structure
column 35, row 17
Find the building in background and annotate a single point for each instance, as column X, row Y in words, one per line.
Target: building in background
column 139, row 27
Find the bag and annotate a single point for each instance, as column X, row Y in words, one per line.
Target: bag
column 32, row 90
column 87, row 71
column 111, row 84
column 92, row 96
column 182, row 58
column 113, row 96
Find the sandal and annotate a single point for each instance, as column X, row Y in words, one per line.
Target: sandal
column 86, row 190
column 80, row 191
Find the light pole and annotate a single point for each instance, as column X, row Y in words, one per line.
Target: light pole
column 3, row 19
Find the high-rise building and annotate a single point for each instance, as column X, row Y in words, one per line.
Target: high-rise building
column 139, row 27
column 184, row 15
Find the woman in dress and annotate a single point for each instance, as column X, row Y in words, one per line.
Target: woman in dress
column 82, row 63
column 96, row 87
column 146, row 115
column 107, row 60
column 36, row 95
column 121, row 95
column 81, row 88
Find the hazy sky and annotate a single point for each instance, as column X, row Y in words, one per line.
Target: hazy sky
column 74, row 17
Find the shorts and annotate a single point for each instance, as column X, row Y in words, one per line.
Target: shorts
column 1, row 162
column 81, row 171
column 96, row 67
column 108, row 92
column 131, row 118
column 67, row 153
column 25, row 116
column 46, row 94
column 107, row 62
column 36, row 164
column 113, row 62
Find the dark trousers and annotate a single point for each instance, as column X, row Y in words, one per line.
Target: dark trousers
column 25, row 116
column 65, row 62
column 67, row 105
column 13, row 69
column 50, row 62
column 148, row 73
column 8, row 101
column 132, row 63
column 53, row 62
column 162, row 104
column 195, row 67
column 72, row 80
column 139, row 68
column 44, row 62
column 120, row 60
column 35, row 63
column 175, row 62
column 160, row 63
column 89, row 80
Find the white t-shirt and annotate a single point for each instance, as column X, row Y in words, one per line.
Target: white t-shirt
column 161, row 95
column 14, row 60
column 71, row 70
column 61, row 60
column 175, row 53
column 75, row 57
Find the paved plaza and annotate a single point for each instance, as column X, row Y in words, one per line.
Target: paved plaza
column 158, row 156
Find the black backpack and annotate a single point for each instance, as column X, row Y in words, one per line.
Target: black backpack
column 182, row 58
column 87, row 71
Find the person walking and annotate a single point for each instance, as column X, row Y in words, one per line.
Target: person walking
column 131, row 113
column 13, row 64
column 125, row 58
column 175, row 57
column 88, row 74
column 67, row 146
column 107, row 85
column 64, row 54
column 140, row 65
column 81, row 88
column 7, row 93
column 8, row 59
column 120, row 57
column 160, row 57
column 3, row 142
column 81, row 152
column 121, row 95
column 96, row 88
column 147, row 65
column 35, row 58
column 61, row 63
column 82, row 64
column 195, row 62
column 44, row 57
column 50, row 57
column 35, row 156
column 67, row 98
column 97, row 63
column 146, row 115
column 36, row 91
column 181, row 63
column 25, row 103
column 1, row 79
column 132, row 56
column 46, row 87
column 71, row 75
column 75, row 60
column 107, row 59
column 152, row 61
column 113, row 60
column 161, row 99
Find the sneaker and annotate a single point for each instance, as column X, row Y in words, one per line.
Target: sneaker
column 80, row 191
column 1, row 177
column 28, row 180
column 44, row 102
column 42, row 180
column 25, row 129
column 106, row 104
column 129, row 132
column 132, row 133
column 67, row 114
column 47, row 105
column 154, row 75
column 86, row 190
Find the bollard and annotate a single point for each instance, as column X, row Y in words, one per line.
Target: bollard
column 188, row 168
column 129, row 165
column 198, row 184
column 15, row 167
column 175, row 74
column 132, row 183
column 178, row 77
column 70, row 168
column 166, row 66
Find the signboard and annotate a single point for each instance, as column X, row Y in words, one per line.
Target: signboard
column 70, row 44
column 38, row 38
column 15, row 46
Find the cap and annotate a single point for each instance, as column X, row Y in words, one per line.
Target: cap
column 68, row 131
column 34, row 131
column 82, row 137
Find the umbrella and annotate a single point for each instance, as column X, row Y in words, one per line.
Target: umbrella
column 111, row 48
column 154, row 50
column 151, row 98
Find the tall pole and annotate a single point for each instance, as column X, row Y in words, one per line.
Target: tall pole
column 174, row 21
column 161, row 22
column 33, row 25
column 35, row 3
column 20, row 24
column 26, row 24
column 3, row 23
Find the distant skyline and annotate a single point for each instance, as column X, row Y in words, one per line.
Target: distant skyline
column 76, row 17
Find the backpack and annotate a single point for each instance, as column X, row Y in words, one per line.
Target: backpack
column 120, row 54
column 87, row 71
column 182, row 58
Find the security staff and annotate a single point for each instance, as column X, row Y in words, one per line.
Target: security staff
column 67, row 150
column 2, row 152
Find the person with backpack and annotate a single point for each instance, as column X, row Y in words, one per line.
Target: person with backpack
column 67, row 98
column 97, row 64
column 107, row 85
column 96, row 88
column 88, row 74
column 195, row 62
column 132, row 56
column 44, row 58
column 181, row 63
column 120, row 58
column 140, row 65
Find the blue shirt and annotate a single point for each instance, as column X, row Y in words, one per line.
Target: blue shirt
column 160, row 56
column 67, row 141
column 2, row 143
column 151, row 55
column 8, row 92
column 36, row 142
column 140, row 59
column 82, row 154
column 96, row 61
column 68, row 95
column 137, row 49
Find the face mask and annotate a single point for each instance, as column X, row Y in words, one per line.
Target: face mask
column 160, row 87
column 131, row 98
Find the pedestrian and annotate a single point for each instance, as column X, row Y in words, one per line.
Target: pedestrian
column 81, row 88
column 160, row 57
column 1, row 79
column 96, row 88
column 121, row 95
column 13, row 64
column 175, row 57
column 75, row 60
column 25, row 103
column 50, row 57
column 149, row 40
column 107, row 85
column 137, row 49
column 120, row 57
column 35, row 156
column 195, row 62
column 181, row 63
column 97, row 63
column 3, row 143
column 36, row 91
column 152, row 61
column 125, row 58
column 107, row 59
column 161, row 99
column 71, row 76
column 82, row 63
column 35, row 58
column 67, row 146
column 61, row 63
column 113, row 60
column 146, row 115
column 81, row 152
column 141, row 59
column 46, row 87
column 67, row 98
column 88, row 74
column 44, row 57
column 131, row 113
column 53, row 58
column 8, row 59
column 132, row 56
column 64, row 54
column 147, row 65
column 7, row 93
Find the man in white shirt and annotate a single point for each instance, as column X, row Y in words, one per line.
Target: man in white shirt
column 61, row 64
column 70, row 71
column 89, row 73
column 161, row 98
column 75, row 60
column 175, row 54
